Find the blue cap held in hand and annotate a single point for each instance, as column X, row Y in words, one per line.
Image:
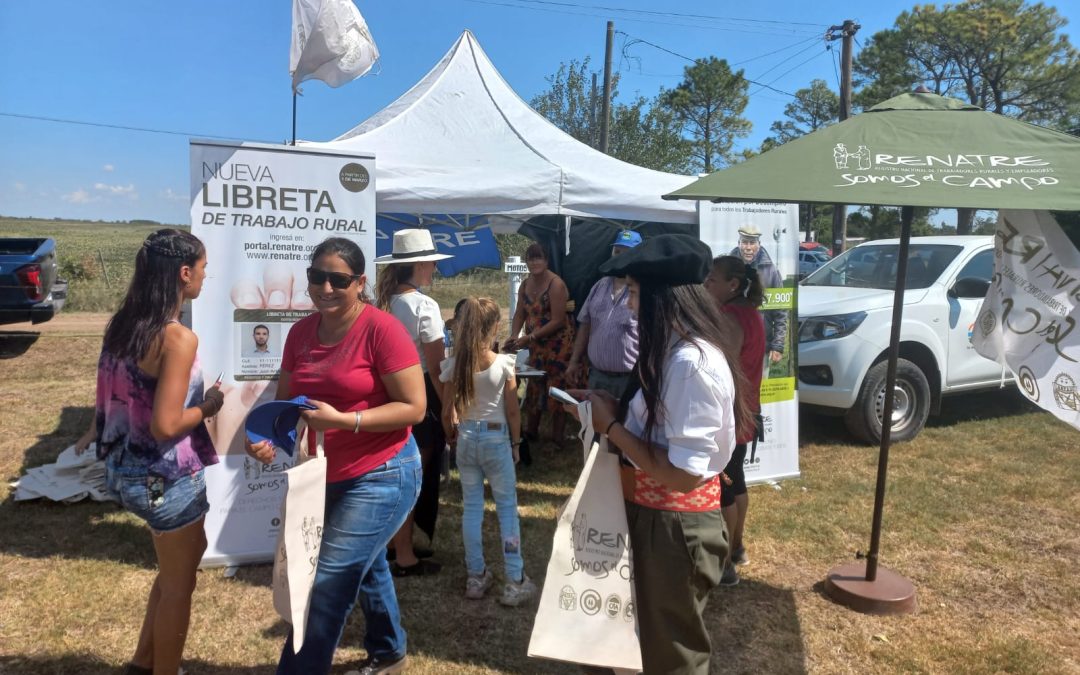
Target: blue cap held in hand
column 275, row 421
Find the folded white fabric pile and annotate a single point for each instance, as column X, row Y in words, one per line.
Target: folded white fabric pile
column 72, row 478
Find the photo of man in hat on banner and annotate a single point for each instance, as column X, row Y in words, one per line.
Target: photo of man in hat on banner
column 756, row 256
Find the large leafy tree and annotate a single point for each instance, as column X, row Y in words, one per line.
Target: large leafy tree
column 814, row 107
column 709, row 103
column 645, row 133
column 1006, row 56
column 641, row 132
column 569, row 104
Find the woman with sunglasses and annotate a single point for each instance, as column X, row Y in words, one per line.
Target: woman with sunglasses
column 358, row 367
column 410, row 267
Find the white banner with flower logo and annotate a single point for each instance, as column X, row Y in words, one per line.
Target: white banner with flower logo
column 1028, row 319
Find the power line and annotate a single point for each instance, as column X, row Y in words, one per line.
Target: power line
column 634, row 41
column 650, row 21
column 782, row 49
column 674, row 14
column 791, row 70
column 835, row 58
column 122, row 127
column 786, row 59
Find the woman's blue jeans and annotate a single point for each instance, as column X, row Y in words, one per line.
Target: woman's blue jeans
column 486, row 452
column 362, row 514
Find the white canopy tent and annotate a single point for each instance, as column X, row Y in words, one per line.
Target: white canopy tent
column 462, row 142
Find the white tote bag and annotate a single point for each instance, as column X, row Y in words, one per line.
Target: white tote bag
column 586, row 613
column 300, row 536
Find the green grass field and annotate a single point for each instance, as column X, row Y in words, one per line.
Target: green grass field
column 98, row 260
column 981, row 514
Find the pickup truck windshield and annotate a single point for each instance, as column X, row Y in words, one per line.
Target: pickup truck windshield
column 874, row 266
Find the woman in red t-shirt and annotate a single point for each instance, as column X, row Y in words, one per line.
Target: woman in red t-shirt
column 737, row 289
column 359, row 367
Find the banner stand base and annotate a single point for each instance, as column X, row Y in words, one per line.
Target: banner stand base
column 888, row 594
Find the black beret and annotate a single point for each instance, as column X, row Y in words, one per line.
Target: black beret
column 672, row 259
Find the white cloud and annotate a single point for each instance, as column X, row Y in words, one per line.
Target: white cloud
column 20, row 186
column 118, row 190
column 173, row 195
column 108, row 167
column 79, row 196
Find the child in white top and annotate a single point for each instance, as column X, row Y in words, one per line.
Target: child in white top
column 480, row 406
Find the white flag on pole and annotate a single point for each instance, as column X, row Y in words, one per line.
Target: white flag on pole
column 330, row 42
column 1028, row 319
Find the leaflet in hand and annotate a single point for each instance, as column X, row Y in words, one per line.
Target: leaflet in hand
column 562, row 396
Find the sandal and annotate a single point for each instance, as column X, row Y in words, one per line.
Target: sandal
column 421, row 568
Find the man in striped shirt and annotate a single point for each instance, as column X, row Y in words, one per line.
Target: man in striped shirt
column 609, row 329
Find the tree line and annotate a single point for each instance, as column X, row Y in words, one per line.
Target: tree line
column 1006, row 56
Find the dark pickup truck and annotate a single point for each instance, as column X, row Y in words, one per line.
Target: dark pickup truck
column 30, row 287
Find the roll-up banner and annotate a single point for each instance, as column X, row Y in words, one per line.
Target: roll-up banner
column 767, row 237
column 260, row 210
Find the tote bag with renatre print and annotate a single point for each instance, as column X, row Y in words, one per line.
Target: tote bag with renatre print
column 586, row 613
column 300, row 536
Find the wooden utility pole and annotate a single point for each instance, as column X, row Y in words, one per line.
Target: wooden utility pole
column 594, row 134
column 845, row 33
column 605, row 108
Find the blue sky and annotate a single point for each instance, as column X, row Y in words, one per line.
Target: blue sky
column 220, row 68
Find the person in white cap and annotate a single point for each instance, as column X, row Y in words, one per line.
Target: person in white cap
column 410, row 267
column 754, row 254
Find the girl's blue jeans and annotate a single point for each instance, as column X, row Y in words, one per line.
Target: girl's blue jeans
column 362, row 514
column 486, row 452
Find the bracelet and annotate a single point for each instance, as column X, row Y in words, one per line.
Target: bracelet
column 356, row 427
column 515, row 443
column 608, row 430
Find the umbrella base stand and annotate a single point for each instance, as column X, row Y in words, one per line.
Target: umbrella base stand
column 889, row 593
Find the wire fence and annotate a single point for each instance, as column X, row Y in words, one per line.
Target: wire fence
column 97, row 282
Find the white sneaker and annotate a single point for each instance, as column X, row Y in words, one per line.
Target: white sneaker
column 477, row 585
column 516, row 594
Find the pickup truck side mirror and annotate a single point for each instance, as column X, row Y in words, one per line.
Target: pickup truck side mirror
column 969, row 287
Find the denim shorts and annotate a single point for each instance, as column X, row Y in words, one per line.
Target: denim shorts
column 165, row 504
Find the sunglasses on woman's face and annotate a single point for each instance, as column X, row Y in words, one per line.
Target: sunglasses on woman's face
column 338, row 280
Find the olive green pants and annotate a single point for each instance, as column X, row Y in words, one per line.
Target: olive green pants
column 678, row 559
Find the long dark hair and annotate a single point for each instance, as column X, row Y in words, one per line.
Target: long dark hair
column 153, row 297
column 391, row 276
column 687, row 312
column 734, row 267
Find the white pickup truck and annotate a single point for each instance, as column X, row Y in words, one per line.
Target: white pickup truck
column 845, row 311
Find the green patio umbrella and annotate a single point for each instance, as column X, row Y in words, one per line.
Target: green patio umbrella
column 912, row 150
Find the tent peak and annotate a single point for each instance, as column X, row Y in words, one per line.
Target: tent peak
column 922, row 100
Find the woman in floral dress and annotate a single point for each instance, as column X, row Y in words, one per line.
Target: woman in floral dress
column 549, row 337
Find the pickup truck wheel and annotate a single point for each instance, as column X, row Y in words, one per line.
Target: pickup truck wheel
column 911, row 403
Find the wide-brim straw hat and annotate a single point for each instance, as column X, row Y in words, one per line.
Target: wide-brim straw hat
column 412, row 246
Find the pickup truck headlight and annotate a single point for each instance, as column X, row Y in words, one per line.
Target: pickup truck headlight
column 817, row 328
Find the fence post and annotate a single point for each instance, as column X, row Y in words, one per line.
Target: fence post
column 104, row 269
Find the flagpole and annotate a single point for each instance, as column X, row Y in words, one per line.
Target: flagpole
column 294, row 117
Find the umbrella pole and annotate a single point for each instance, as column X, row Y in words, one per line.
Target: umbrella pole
column 879, row 590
